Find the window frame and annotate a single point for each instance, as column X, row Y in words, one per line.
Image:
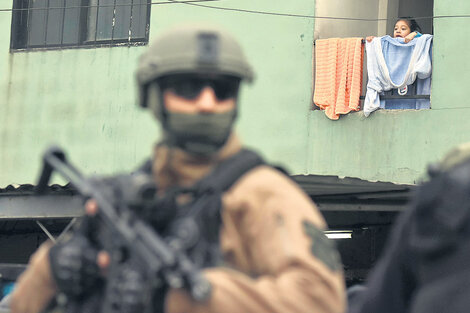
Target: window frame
column 388, row 25
column 20, row 29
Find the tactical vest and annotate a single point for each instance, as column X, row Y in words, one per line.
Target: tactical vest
column 194, row 226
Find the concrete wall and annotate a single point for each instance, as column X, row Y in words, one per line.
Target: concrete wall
column 80, row 99
column 84, row 99
column 274, row 110
column 329, row 28
column 397, row 145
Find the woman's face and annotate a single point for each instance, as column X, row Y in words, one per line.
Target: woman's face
column 401, row 29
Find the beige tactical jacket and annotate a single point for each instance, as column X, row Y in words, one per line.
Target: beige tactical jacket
column 278, row 259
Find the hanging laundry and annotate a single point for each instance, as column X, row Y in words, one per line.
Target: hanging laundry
column 393, row 64
column 338, row 75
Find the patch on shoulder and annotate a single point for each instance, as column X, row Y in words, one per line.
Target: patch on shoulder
column 322, row 248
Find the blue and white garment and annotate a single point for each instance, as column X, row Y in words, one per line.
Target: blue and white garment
column 391, row 64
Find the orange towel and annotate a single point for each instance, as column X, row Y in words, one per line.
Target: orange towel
column 338, row 75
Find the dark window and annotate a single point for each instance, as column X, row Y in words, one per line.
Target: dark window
column 71, row 23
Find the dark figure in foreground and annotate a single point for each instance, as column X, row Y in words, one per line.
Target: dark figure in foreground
column 274, row 256
column 426, row 265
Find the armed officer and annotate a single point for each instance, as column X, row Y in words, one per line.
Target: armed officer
column 274, row 255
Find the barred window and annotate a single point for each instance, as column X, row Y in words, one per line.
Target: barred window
column 72, row 23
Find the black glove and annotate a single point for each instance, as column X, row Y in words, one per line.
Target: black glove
column 73, row 265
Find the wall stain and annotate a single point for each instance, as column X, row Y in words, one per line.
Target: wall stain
column 6, row 106
column 10, row 71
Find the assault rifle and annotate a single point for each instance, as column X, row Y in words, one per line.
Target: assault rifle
column 130, row 242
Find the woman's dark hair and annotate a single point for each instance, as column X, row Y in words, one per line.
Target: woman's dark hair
column 412, row 24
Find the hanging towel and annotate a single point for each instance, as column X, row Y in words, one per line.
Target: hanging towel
column 338, row 75
column 391, row 63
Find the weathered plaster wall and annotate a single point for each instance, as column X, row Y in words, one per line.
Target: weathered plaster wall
column 397, row 145
column 84, row 99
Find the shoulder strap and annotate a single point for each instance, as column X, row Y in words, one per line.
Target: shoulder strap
column 229, row 171
column 226, row 173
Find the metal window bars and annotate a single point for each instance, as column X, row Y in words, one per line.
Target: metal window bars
column 75, row 23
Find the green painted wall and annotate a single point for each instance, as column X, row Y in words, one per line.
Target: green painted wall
column 397, row 145
column 84, row 99
column 274, row 110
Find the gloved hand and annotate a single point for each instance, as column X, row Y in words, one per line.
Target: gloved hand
column 73, row 266
column 35, row 287
column 69, row 267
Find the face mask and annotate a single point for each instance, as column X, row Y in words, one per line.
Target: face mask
column 199, row 134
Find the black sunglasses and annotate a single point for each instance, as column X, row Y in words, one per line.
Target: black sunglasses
column 189, row 87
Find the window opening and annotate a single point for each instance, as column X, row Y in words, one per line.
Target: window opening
column 72, row 23
column 387, row 12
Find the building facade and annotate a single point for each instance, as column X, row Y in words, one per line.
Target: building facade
column 74, row 87
column 84, row 98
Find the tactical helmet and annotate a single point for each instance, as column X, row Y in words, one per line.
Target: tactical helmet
column 191, row 49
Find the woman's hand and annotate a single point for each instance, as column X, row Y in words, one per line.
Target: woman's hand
column 369, row 38
column 410, row 37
